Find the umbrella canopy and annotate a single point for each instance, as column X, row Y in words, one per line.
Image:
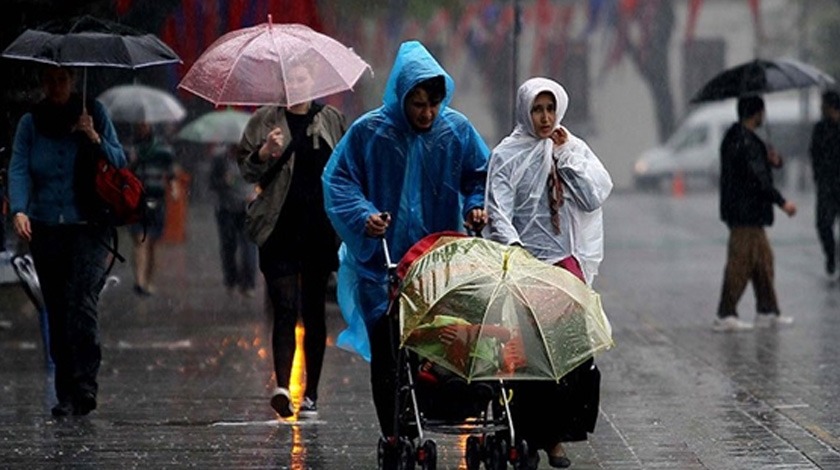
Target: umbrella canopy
column 488, row 311
column 90, row 42
column 762, row 76
column 141, row 103
column 216, row 127
column 252, row 66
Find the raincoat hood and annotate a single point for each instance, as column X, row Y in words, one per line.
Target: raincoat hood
column 412, row 65
column 525, row 97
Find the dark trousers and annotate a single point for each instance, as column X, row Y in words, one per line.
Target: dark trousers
column 383, row 335
column 546, row 412
column 305, row 293
column 70, row 261
column 748, row 258
column 238, row 252
column 384, row 341
column 828, row 210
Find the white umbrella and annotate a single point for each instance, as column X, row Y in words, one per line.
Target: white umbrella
column 216, row 127
column 141, row 103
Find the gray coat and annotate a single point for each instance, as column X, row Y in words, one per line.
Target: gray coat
column 263, row 211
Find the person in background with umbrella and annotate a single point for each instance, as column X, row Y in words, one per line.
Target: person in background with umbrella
column 152, row 160
column 545, row 189
column 419, row 160
column 70, row 255
column 825, row 161
column 238, row 253
column 284, row 150
column 747, row 196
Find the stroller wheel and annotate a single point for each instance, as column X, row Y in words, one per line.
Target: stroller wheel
column 392, row 454
column 502, row 453
column 473, row 453
column 427, row 455
column 406, row 454
column 494, row 459
column 519, row 456
column 386, row 455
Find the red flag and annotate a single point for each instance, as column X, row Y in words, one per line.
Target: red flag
column 542, row 18
column 756, row 13
column 236, row 13
column 693, row 14
column 210, row 12
column 123, row 6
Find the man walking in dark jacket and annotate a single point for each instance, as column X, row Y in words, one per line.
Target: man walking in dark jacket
column 825, row 161
column 747, row 196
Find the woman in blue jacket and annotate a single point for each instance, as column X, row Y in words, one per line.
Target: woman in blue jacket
column 69, row 252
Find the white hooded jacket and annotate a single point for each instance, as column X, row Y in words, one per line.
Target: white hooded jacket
column 517, row 192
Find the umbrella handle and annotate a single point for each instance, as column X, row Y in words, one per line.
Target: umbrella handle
column 84, row 90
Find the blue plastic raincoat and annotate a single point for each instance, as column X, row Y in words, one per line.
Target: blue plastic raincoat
column 427, row 181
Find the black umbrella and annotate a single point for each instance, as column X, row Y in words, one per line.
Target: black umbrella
column 90, row 42
column 762, row 76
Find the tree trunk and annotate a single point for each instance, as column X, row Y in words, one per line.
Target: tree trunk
column 652, row 61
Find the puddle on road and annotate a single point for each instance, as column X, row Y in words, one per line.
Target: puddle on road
column 180, row 344
column 272, row 423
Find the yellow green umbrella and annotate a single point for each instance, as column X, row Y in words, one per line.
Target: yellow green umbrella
column 487, row 311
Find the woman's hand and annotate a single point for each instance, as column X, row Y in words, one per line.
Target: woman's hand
column 85, row 125
column 273, row 146
column 559, row 136
column 476, row 220
column 23, row 228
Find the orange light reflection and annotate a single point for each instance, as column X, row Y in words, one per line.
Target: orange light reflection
column 297, row 381
column 298, row 451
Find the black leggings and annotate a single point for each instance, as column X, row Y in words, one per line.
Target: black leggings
column 307, row 289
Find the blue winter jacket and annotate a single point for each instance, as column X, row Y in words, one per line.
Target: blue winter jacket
column 427, row 181
column 41, row 169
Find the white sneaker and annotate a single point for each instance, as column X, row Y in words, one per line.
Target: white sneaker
column 730, row 323
column 764, row 320
column 282, row 402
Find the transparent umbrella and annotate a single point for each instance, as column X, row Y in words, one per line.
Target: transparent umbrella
column 216, row 127
column 487, row 311
column 251, row 66
column 141, row 103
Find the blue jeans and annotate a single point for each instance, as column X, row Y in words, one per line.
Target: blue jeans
column 70, row 261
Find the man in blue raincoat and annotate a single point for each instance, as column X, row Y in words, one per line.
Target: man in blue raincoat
column 411, row 167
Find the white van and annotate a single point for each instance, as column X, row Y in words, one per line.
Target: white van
column 693, row 150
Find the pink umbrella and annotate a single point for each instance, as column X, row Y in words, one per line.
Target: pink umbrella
column 256, row 66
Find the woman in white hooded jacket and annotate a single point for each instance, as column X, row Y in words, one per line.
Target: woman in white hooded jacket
column 545, row 188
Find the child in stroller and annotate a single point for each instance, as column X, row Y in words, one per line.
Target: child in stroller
column 432, row 396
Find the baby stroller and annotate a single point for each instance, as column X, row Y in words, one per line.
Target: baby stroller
column 433, row 398
column 471, row 316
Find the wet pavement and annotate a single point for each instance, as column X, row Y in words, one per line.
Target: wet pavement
column 186, row 374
